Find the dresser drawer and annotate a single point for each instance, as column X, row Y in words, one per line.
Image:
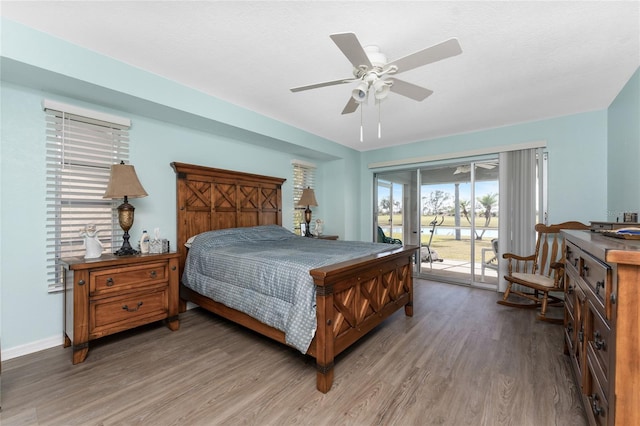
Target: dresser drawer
column 599, row 346
column 597, row 276
column 572, row 257
column 110, row 315
column 115, row 280
column 598, row 407
column 571, row 280
column 571, row 333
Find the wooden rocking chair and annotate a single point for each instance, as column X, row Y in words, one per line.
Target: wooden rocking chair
column 542, row 272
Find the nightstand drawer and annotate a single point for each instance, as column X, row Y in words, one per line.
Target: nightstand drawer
column 125, row 278
column 120, row 313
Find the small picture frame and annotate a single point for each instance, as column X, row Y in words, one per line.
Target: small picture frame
column 303, row 229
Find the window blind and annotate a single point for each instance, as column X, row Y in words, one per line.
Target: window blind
column 304, row 175
column 80, row 150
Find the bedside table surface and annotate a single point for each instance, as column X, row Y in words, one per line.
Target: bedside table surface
column 108, row 259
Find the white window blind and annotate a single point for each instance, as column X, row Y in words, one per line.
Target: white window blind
column 304, row 175
column 80, row 152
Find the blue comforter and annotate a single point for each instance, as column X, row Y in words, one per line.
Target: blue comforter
column 263, row 271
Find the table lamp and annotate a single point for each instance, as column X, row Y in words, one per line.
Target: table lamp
column 308, row 198
column 124, row 183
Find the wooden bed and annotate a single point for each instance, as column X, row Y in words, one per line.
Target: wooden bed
column 352, row 297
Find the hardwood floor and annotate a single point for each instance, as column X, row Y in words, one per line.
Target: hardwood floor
column 461, row 360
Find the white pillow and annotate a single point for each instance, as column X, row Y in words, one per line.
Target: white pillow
column 190, row 241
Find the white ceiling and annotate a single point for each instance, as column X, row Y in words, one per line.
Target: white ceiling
column 521, row 61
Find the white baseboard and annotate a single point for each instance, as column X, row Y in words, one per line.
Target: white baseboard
column 43, row 344
column 32, row 347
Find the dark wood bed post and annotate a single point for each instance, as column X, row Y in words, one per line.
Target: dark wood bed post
column 324, row 338
column 352, row 298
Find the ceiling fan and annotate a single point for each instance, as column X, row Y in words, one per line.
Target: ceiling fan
column 372, row 71
column 466, row 168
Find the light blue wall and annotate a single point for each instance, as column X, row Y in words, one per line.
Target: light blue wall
column 175, row 123
column 154, row 144
column 169, row 123
column 577, row 147
column 624, row 150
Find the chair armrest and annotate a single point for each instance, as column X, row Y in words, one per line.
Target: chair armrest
column 516, row 263
column 517, row 257
column 484, row 257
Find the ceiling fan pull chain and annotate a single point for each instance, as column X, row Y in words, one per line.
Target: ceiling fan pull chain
column 361, row 135
column 379, row 125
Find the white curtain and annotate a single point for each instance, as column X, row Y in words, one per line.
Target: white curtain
column 518, row 190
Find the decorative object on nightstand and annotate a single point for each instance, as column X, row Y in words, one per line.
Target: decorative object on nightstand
column 124, row 183
column 113, row 293
column 92, row 245
column 308, row 198
column 318, row 229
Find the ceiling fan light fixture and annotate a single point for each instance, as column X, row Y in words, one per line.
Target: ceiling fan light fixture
column 360, row 92
column 381, row 89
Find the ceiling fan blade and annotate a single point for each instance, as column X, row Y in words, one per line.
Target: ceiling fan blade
column 409, row 90
column 435, row 53
column 351, row 106
column 326, row 83
column 487, row 166
column 349, row 45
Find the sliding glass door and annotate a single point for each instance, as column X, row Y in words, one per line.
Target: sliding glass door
column 451, row 212
column 459, row 220
column 395, row 204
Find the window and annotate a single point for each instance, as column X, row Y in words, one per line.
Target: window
column 304, row 175
column 81, row 147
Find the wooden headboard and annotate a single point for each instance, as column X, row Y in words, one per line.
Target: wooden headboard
column 208, row 199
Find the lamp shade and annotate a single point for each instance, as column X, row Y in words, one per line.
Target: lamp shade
column 308, row 198
column 124, row 182
column 381, row 89
column 360, row 92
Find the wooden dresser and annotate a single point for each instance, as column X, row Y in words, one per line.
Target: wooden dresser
column 115, row 293
column 602, row 325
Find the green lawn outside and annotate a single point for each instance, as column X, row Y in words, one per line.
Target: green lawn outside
column 446, row 245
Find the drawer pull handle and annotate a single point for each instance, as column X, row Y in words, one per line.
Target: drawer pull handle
column 173, row 268
column 598, row 285
column 613, row 298
column 598, row 341
column 597, row 410
column 81, row 282
column 126, row 308
column 110, row 282
column 570, row 289
column 581, row 335
column 585, row 270
column 570, row 327
column 575, row 262
column 153, row 273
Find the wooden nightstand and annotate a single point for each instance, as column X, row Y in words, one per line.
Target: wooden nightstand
column 115, row 293
column 327, row 237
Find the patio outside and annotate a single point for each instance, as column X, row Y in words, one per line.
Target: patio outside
column 454, row 252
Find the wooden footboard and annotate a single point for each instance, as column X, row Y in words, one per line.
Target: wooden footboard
column 354, row 297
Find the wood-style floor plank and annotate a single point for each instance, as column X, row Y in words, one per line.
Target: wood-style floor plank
column 460, row 360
